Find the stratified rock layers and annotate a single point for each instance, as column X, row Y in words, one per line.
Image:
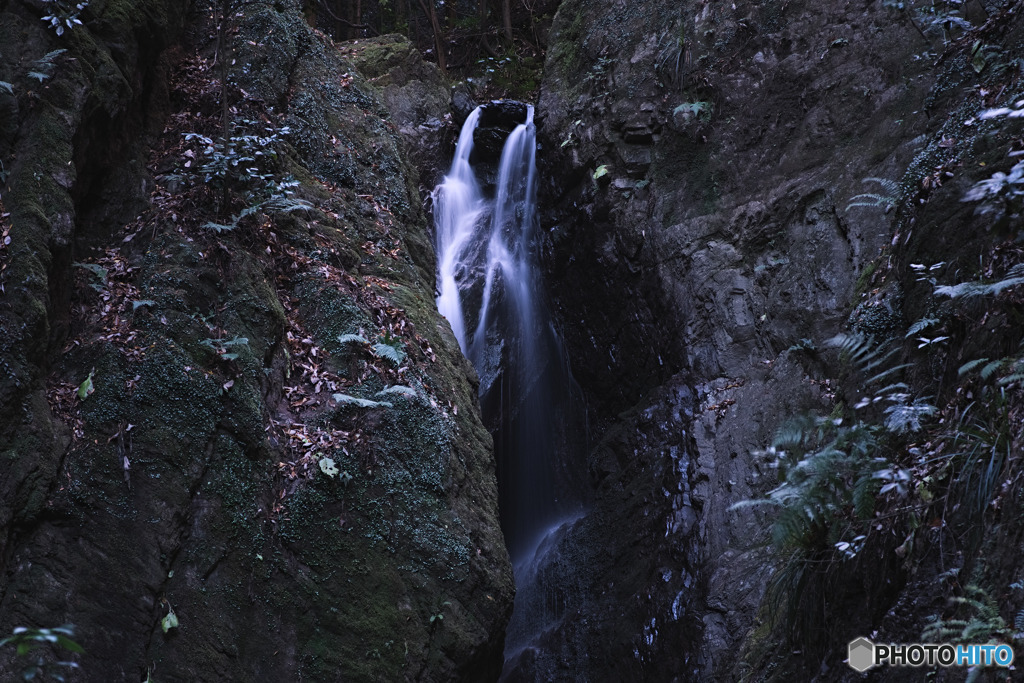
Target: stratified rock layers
column 698, row 160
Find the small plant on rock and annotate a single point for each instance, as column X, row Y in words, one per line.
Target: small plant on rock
column 40, row 646
column 64, row 15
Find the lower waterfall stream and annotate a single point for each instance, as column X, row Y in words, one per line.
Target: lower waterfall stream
column 490, row 291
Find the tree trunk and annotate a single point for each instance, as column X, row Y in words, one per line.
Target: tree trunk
column 506, row 18
column 435, row 26
column 482, row 15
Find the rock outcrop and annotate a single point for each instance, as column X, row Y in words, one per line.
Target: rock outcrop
column 699, row 159
column 227, row 392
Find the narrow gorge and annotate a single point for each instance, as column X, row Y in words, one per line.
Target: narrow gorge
column 576, row 340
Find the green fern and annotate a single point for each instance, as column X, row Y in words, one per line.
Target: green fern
column 99, row 273
column 922, row 324
column 904, row 417
column 1014, row 277
column 832, row 473
column 46, row 61
column 352, row 339
column 981, row 624
column 390, row 350
column 880, row 201
column 1011, row 379
column 867, row 356
column 224, row 347
column 1013, row 369
column 222, row 227
column 970, row 365
column 398, row 390
column 990, row 368
column 345, row 399
column 286, row 204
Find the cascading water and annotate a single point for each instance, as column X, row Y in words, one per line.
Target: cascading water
column 489, row 290
column 458, row 206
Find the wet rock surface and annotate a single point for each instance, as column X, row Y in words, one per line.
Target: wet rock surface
column 699, row 160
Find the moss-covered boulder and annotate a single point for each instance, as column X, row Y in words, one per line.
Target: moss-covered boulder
column 228, row 394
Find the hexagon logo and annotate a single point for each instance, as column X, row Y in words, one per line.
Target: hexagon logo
column 861, row 655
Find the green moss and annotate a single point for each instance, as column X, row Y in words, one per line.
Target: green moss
column 568, row 28
column 328, row 315
column 864, row 280
column 343, row 580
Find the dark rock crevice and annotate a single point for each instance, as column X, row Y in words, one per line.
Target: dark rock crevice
column 695, row 230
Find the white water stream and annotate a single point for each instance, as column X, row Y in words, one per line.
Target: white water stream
column 490, row 292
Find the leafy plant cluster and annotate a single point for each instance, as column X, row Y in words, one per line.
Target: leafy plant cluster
column 938, row 18
column 695, row 111
column 834, row 473
column 245, row 161
column 40, row 646
column 981, row 622
column 40, row 70
column 509, row 74
column 227, row 349
column 388, row 348
column 247, row 165
column 975, row 619
column 852, row 482
column 890, row 459
column 64, row 15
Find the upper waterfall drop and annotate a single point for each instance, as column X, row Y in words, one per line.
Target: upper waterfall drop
column 512, row 227
column 458, row 205
column 489, row 289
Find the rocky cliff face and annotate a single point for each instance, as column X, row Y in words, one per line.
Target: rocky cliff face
column 227, row 393
column 700, row 158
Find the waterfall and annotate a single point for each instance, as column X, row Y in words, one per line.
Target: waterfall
column 490, row 291
column 458, row 205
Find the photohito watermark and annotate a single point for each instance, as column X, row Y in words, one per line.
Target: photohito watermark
column 863, row 654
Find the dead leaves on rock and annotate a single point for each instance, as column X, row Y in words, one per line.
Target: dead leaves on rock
column 110, row 311
column 5, row 244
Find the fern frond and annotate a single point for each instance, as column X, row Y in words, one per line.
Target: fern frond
column 970, row 289
column 922, row 324
column 885, row 373
column 398, row 390
column 907, row 418
column 1011, row 379
column 286, row 204
column 879, row 360
column 991, row 368
column 864, row 492
column 793, row 433
column 345, row 399
column 352, row 339
column 970, row 365
column 890, row 186
column 753, row 503
column 220, row 227
column 47, row 59
column 392, row 353
column 873, row 200
column 854, row 345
